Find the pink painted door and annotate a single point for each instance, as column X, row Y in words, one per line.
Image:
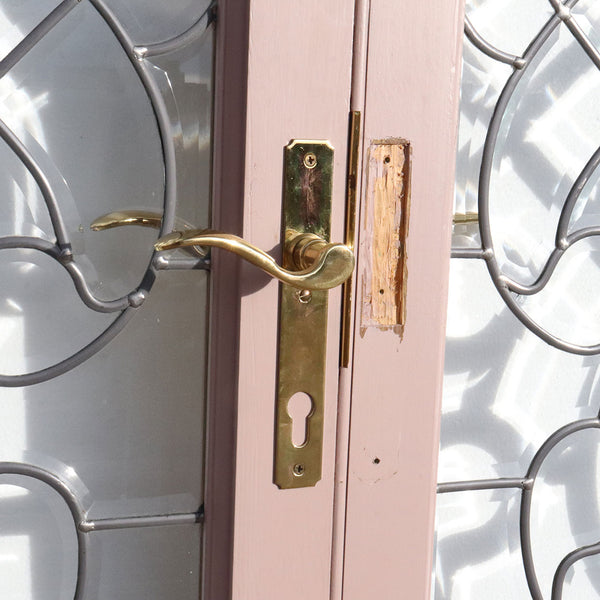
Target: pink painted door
column 296, row 70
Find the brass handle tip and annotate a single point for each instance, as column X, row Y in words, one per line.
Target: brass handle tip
column 169, row 241
column 120, row 218
column 146, row 218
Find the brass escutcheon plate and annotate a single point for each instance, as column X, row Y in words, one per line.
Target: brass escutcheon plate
column 308, row 167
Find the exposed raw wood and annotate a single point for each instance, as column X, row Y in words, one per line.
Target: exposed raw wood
column 385, row 229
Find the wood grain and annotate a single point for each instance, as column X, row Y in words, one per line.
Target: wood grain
column 387, row 209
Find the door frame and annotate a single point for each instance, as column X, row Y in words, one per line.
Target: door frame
column 229, row 140
column 412, row 87
column 380, row 537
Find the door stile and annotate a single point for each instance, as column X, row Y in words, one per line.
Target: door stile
column 411, row 93
column 299, row 74
column 231, row 65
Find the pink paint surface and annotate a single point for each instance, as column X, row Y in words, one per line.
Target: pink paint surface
column 299, row 87
column 411, row 92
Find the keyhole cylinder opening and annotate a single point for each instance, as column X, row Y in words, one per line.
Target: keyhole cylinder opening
column 300, row 408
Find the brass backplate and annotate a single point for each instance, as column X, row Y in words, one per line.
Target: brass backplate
column 308, row 169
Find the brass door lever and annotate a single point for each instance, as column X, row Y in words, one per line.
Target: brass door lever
column 313, row 264
column 316, row 264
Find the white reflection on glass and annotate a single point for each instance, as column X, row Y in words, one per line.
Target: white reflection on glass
column 491, row 570
column 505, row 390
column 38, row 541
column 15, row 576
column 13, row 435
column 25, row 110
column 22, row 113
column 15, row 554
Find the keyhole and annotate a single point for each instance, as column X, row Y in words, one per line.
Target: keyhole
column 299, row 408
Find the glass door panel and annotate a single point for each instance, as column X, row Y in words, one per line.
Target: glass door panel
column 518, row 514
column 104, row 106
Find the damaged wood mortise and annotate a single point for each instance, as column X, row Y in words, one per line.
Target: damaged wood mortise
column 385, row 231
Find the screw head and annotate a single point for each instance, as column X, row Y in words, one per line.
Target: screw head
column 299, row 470
column 304, row 296
column 310, row 160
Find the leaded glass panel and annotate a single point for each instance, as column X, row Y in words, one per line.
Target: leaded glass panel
column 518, row 513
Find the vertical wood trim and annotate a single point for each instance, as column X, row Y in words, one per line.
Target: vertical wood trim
column 411, row 92
column 231, row 59
column 298, row 87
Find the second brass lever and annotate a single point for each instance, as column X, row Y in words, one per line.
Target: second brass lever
column 321, row 265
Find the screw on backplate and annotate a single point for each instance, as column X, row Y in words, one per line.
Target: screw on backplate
column 304, row 296
column 299, row 469
column 310, row 160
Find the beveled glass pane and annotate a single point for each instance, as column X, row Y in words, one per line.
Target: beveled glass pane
column 103, row 364
column 38, row 544
column 131, row 429
column 478, row 553
column 505, row 390
column 548, row 133
column 155, row 563
column 520, row 406
column 152, row 21
column 565, row 512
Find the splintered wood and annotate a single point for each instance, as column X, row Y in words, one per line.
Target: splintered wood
column 384, row 234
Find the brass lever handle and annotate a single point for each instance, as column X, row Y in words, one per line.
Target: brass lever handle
column 141, row 218
column 316, row 264
column 312, row 263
